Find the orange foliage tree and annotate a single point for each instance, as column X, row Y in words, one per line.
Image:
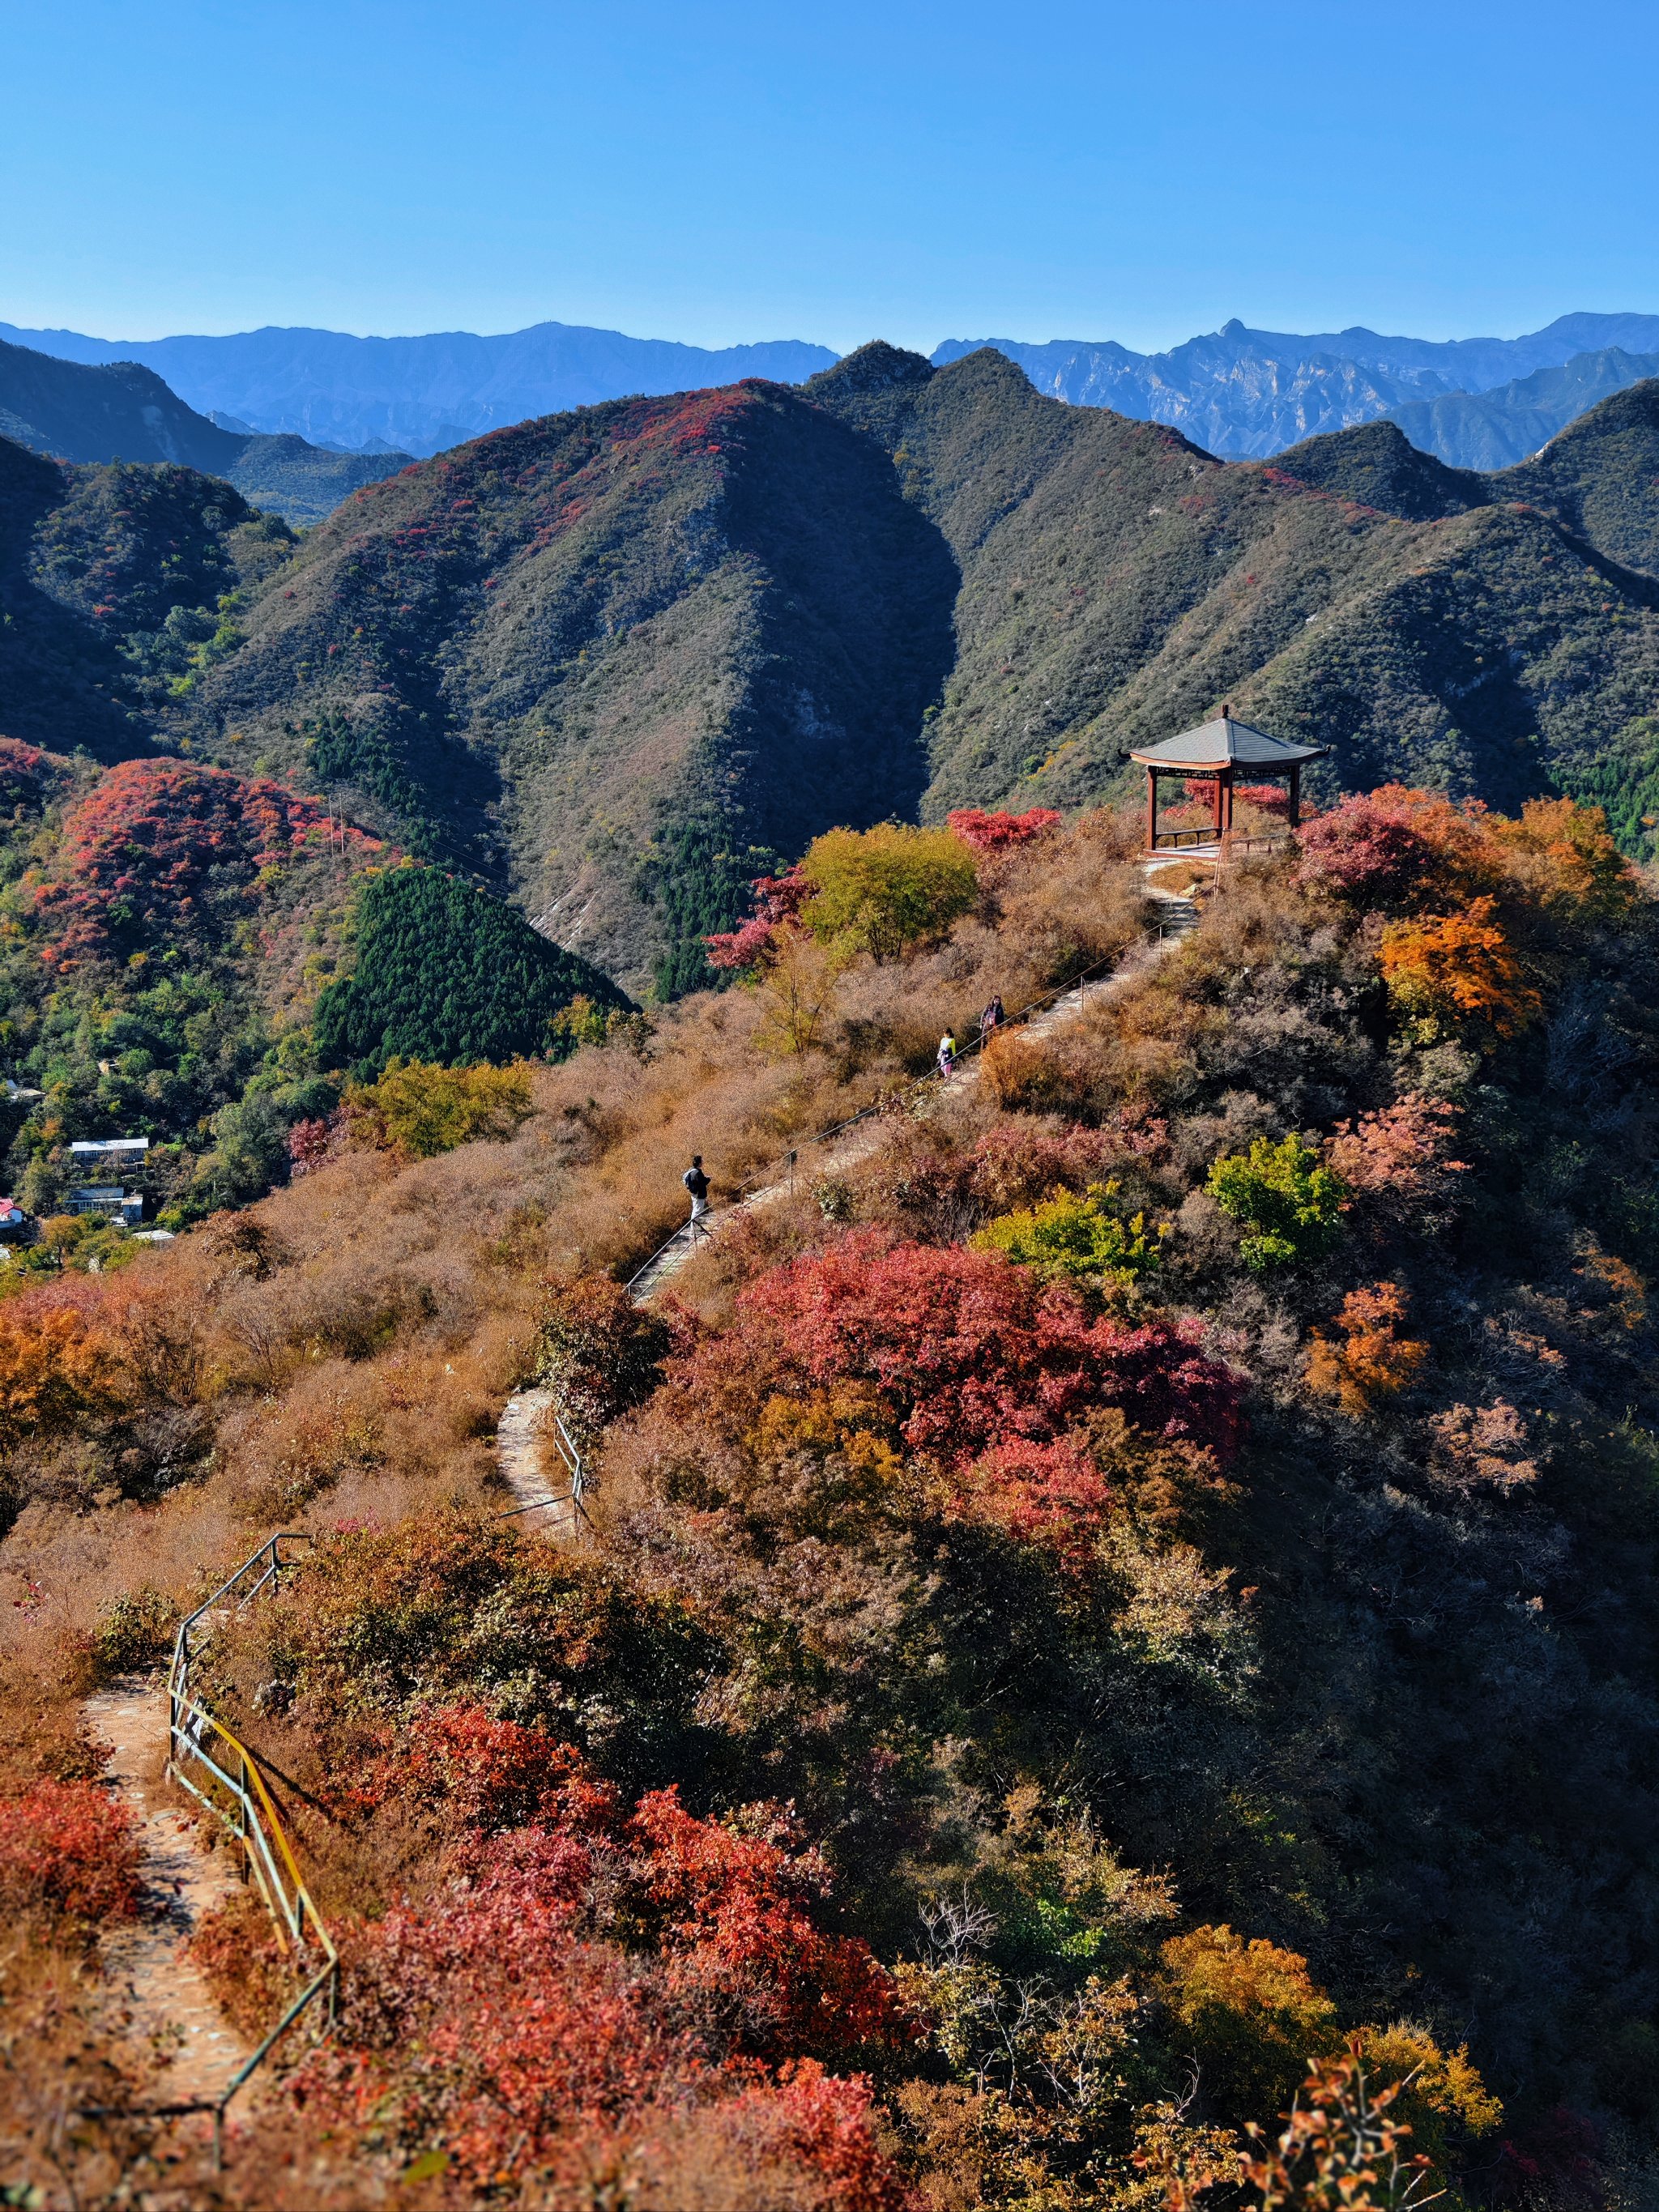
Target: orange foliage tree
column 54, row 1365
column 1373, row 1360
column 1456, row 975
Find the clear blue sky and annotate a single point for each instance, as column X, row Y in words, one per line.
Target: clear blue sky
column 915, row 169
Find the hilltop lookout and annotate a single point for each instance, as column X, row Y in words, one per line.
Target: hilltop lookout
column 1213, row 753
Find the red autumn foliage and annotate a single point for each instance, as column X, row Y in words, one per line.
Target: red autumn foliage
column 1051, row 1494
column 1396, row 847
column 157, row 846
column 778, row 903
column 23, row 769
column 67, row 1849
column 974, row 1352
column 999, row 833
column 1399, row 1156
column 599, row 1966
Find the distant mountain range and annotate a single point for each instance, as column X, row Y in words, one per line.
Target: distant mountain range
column 122, row 411
column 423, row 394
column 1240, row 393
column 1247, row 394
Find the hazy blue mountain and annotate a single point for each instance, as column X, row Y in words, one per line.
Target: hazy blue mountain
column 1249, row 394
column 120, row 411
column 1494, row 429
column 424, row 394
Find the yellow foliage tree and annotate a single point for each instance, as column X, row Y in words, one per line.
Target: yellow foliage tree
column 418, row 1109
column 53, row 1366
column 882, row 890
column 1254, row 2012
column 1563, row 856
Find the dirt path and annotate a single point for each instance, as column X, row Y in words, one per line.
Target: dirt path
column 171, row 2004
column 518, row 1437
column 1179, row 915
column 539, row 1481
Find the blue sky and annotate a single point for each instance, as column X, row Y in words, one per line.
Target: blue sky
column 909, row 170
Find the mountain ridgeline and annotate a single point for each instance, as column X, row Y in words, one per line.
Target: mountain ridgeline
column 123, row 411
column 613, row 664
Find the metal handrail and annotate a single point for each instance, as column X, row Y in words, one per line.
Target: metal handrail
column 238, row 1797
column 576, row 1496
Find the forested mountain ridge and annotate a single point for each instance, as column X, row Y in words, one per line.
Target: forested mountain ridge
column 617, row 662
column 620, row 660
column 1118, row 583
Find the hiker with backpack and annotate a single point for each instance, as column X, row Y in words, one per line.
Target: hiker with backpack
column 697, row 1183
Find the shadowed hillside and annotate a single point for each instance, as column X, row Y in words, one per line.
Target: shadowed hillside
column 615, row 660
column 1118, row 584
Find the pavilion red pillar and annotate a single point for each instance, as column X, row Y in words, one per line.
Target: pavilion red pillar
column 1227, row 777
column 1294, row 809
column 1151, row 810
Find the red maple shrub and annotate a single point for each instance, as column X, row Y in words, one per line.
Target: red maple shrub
column 67, row 1852
column 991, row 832
column 599, row 1966
column 1395, row 847
column 974, row 1352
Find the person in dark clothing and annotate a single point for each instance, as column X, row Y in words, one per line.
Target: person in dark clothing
column 991, row 1019
column 697, row 1183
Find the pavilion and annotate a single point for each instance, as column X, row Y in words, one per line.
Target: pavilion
column 1212, row 754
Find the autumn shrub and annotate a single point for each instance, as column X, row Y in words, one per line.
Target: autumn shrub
column 55, row 1364
column 1563, row 856
column 598, row 1965
column 1372, row 1361
column 973, row 1351
column 1082, row 1236
column 134, row 1630
column 449, row 1605
column 1253, row 2013
column 417, row 1108
column 67, row 1852
column 1395, row 1159
column 992, row 832
column 598, row 1351
column 1019, row 1161
column 1035, row 1075
column 1395, row 847
column 1288, row 1202
column 1457, row 976
column 884, row 889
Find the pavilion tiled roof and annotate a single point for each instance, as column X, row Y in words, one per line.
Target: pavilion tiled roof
column 1223, row 743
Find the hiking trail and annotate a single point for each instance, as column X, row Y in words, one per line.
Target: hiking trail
column 169, row 1998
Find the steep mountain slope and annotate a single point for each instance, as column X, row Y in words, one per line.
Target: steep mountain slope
column 121, row 410
column 1118, row 583
column 612, row 661
column 124, row 412
column 118, row 585
column 425, row 393
column 1249, row 393
column 1495, row 430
